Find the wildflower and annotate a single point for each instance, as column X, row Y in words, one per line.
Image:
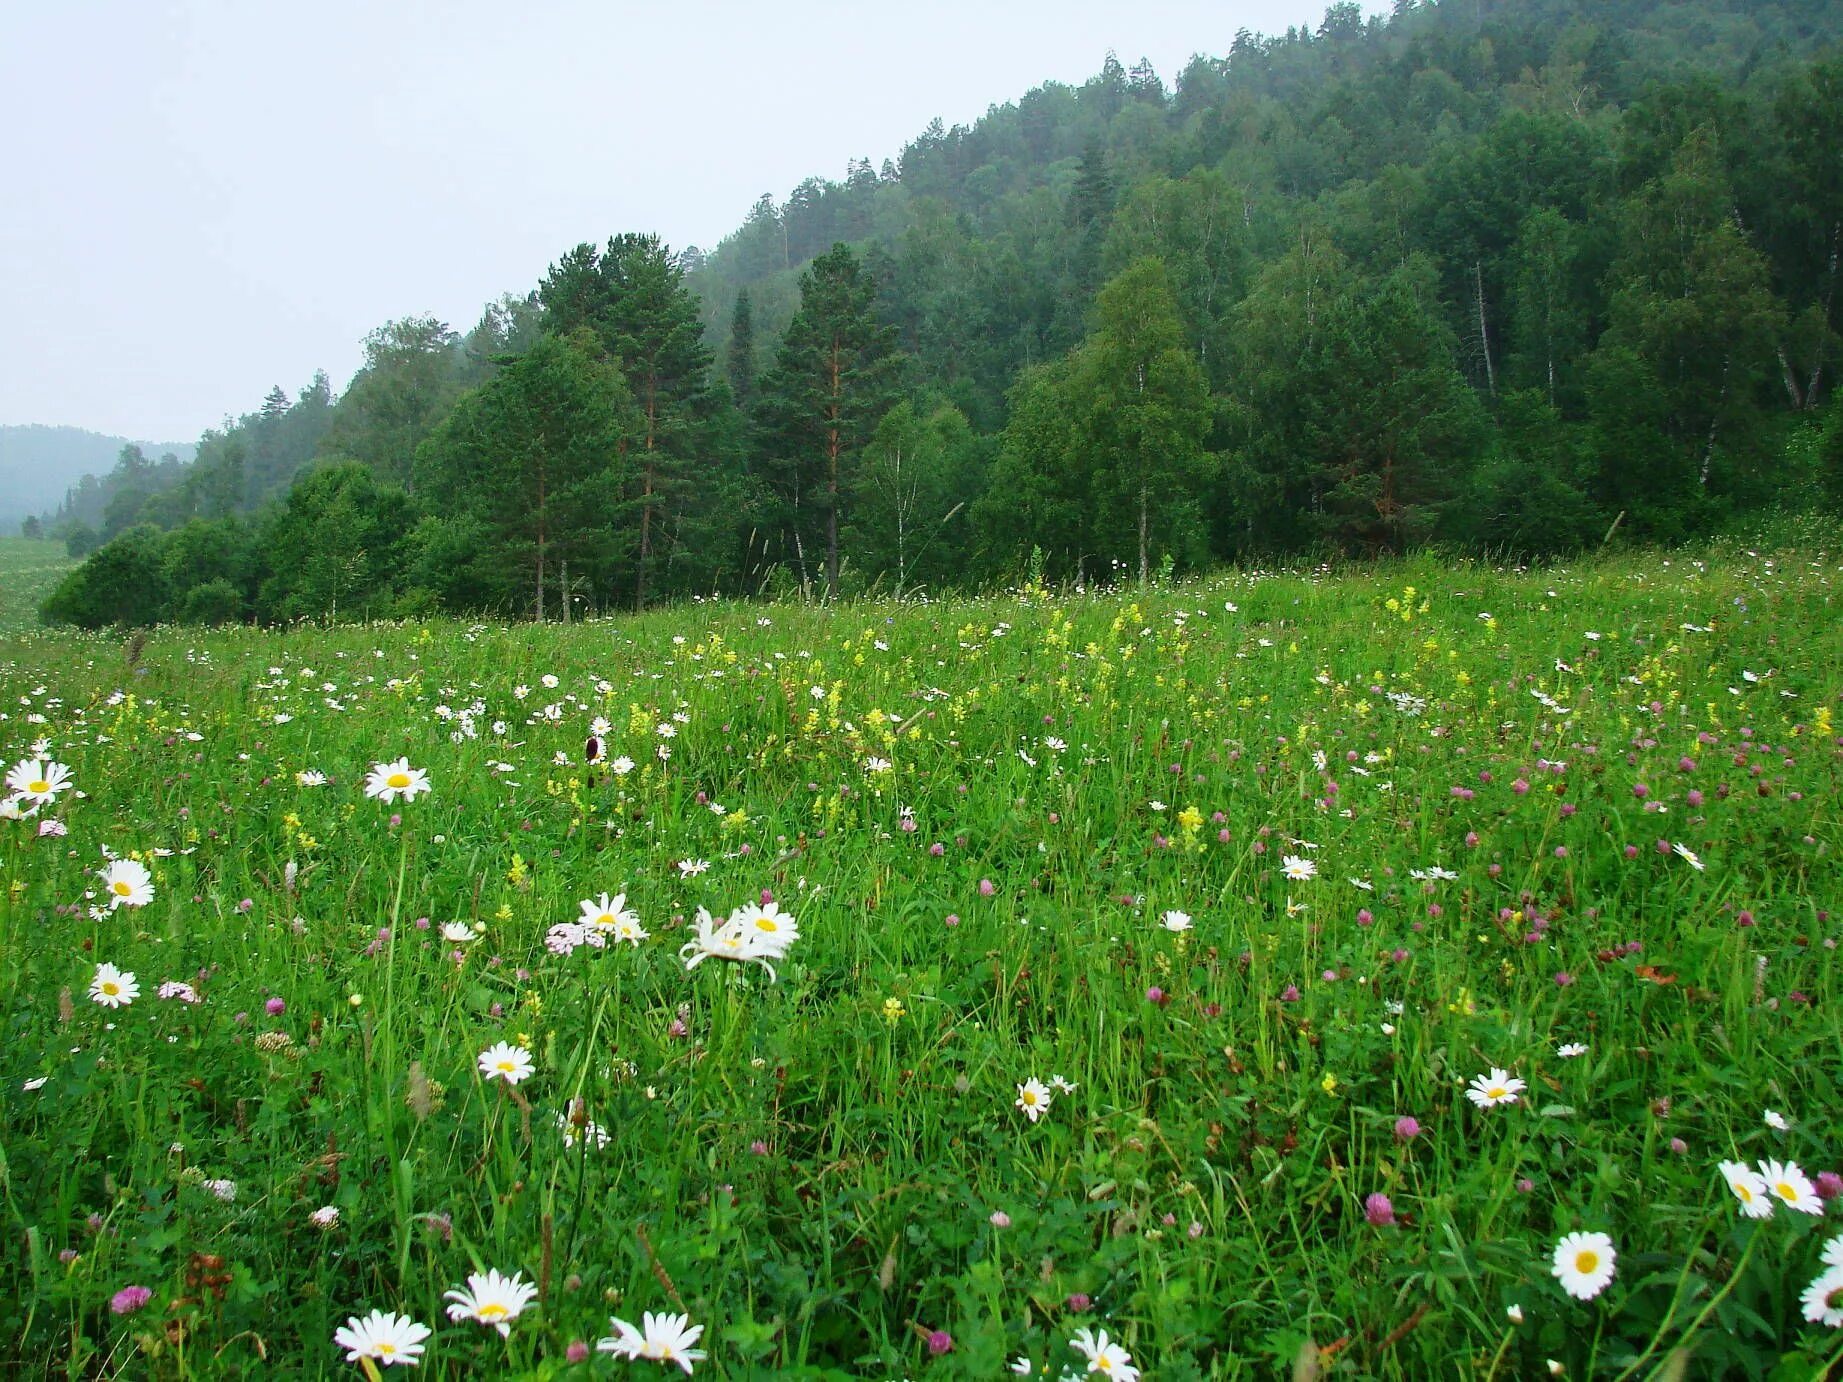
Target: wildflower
column 326, row 1217
column 1034, row 1098
column 225, row 1190
column 1104, row 1356
column 491, row 1299
column 1584, row 1264
column 612, row 914
column 1175, row 921
column 1688, row 855
column 503, row 1061
column 1022, row 1366
column 893, row 1010
column 310, row 777
column 1823, row 1299
column 1515, row 1313
column 1786, row 1182
column 939, row 1342
column 129, row 1299
column 36, row 781
column 1571, row 1050
column 758, row 934
column 1833, row 1252
column 1749, row 1188
column 388, row 781
column 128, row 884
column 1379, row 1210
column 661, row 1338
column 1407, row 1129
column 114, row 988
column 459, row 933
column 691, row 868
column 1061, row 1085
column 999, row 1219
column 1498, row 1087
column 1298, row 869
column 1775, row 1121
column 389, row 1338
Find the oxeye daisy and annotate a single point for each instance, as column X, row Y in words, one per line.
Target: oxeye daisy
column 1789, row 1185
column 606, row 913
column 1298, row 869
column 1823, row 1299
column 37, row 781
column 1584, row 1264
column 504, row 1061
column 1833, row 1252
column 1175, row 921
column 1104, row 1356
column 661, row 1338
column 114, row 988
column 388, row 781
column 1749, row 1188
column 491, row 1299
column 385, row 1338
column 1033, row 1097
column 1497, row 1087
column 128, row 883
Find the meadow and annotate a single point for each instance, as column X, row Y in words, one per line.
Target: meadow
column 1265, row 974
column 29, row 569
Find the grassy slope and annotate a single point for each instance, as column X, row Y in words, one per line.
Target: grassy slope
column 813, row 1166
column 28, row 571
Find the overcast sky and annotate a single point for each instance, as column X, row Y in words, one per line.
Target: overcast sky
column 202, row 198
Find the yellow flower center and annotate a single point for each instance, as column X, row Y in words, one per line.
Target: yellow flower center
column 1497, row 1091
column 1030, row 1096
column 1104, row 1363
column 605, row 919
column 1786, row 1192
column 507, row 1066
column 386, row 1347
column 492, row 1312
column 397, row 780
column 765, row 924
column 110, row 988
column 1586, row 1261
column 1744, row 1191
column 38, row 788
column 122, row 887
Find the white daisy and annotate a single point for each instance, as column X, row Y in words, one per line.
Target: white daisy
column 504, row 1061
column 388, row 781
column 37, row 781
column 114, row 988
column 128, row 883
column 1497, row 1087
column 491, row 1299
column 1749, row 1188
column 1175, row 921
column 1584, row 1264
column 1786, row 1183
column 1104, row 1356
column 1823, row 1299
column 385, row 1338
column 1298, row 869
column 1033, row 1097
column 661, row 1338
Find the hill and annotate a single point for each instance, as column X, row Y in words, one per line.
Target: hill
column 38, row 465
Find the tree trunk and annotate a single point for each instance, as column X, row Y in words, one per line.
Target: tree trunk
column 833, row 446
column 646, row 496
column 1793, row 393
column 540, row 603
column 564, row 580
column 1830, row 294
column 1145, row 568
column 1484, row 339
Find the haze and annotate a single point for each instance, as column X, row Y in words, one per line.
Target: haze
column 201, row 200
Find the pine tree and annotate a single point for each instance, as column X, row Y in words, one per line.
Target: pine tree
column 740, row 359
column 832, row 381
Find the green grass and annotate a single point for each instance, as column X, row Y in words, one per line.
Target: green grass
column 817, row 1169
column 28, row 571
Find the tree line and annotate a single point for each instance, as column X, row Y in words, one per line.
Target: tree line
column 1497, row 276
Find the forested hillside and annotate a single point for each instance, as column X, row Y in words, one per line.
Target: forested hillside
column 43, row 467
column 1499, row 276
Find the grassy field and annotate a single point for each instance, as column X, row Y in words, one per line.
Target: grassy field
column 28, row 571
column 1268, row 971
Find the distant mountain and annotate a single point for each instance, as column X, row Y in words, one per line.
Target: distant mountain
column 38, row 464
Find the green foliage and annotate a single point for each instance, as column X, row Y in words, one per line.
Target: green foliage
column 123, row 582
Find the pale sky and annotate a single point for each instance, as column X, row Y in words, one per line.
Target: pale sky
column 202, row 198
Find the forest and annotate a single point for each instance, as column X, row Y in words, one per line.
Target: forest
column 1514, row 279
